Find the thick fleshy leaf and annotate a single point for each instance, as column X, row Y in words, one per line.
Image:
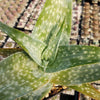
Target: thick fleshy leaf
column 53, row 11
column 19, row 75
column 32, row 46
column 88, row 90
column 37, row 94
column 7, row 52
column 77, row 75
column 71, row 56
column 52, row 42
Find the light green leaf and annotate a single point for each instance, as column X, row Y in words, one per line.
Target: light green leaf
column 71, row 56
column 77, row 75
column 53, row 11
column 52, row 42
column 19, row 75
column 32, row 46
column 88, row 90
column 38, row 94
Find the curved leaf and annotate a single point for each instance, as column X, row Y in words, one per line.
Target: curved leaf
column 32, row 46
column 38, row 94
column 72, row 55
column 88, row 90
column 53, row 11
column 19, row 75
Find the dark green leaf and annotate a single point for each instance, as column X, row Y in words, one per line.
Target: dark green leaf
column 88, row 90
column 32, row 46
column 19, row 75
column 71, row 56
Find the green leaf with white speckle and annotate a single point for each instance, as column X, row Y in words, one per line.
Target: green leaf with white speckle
column 38, row 94
column 53, row 11
column 77, row 75
column 20, row 75
column 32, row 46
column 71, row 56
column 88, row 90
column 53, row 41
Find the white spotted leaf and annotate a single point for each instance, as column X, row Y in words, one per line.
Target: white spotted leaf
column 38, row 94
column 74, row 55
column 53, row 41
column 88, row 90
column 20, row 75
column 77, row 75
column 53, row 11
column 33, row 47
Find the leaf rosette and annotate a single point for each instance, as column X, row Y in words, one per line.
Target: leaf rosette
column 46, row 58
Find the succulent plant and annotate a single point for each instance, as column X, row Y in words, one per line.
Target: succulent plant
column 46, row 58
column 10, row 10
column 90, row 23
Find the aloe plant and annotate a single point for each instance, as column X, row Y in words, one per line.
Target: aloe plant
column 47, row 58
